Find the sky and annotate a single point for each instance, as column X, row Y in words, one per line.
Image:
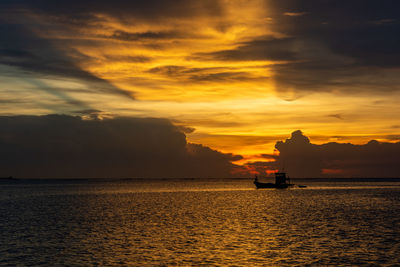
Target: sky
column 241, row 81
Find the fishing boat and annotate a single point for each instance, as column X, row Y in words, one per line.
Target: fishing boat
column 281, row 182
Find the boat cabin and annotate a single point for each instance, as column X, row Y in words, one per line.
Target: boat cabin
column 280, row 178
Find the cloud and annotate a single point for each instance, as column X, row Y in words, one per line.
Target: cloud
column 128, row 59
column 40, row 58
column 229, row 76
column 218, row 74
column 337, row 116
column 328, row 46
column 337, row 46
column 82, row 11
column 347, row 46
column 262, row 168
column 294, row 14
column 149, row 35
column 55, row 146
column 267, row 48
column 301, row 158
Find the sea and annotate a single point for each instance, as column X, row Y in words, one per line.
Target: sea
column 199, row 222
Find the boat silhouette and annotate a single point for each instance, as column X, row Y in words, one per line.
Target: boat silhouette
column 281, row 182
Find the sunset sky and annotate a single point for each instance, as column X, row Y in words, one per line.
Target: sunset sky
column 233, row 75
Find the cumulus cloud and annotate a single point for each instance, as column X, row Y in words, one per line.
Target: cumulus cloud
column 301, row 158
column 55, row 146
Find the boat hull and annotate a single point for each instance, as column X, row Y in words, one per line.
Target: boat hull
column 270, row 185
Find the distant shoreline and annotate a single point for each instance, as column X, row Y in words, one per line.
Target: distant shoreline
column 361, row 179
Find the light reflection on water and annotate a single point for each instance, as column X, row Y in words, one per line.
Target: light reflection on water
column 198, row 222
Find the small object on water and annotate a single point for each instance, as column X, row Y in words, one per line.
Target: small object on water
column 281, row 182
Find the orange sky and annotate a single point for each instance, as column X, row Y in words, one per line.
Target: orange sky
column 208, row 71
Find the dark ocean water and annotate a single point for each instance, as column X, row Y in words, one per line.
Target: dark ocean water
column 199, row 222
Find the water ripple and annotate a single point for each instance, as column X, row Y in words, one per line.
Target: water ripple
column 117, row 224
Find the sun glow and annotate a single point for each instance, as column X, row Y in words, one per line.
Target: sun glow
column 207, row 71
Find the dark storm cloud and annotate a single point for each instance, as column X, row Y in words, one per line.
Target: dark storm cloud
column 347, row 44
column 136, row 36
column 206, row 74
column 169, row 70
column 25, row 44
column 39, row 57
column 327, row 45
column 129, row 59
column 66, row 146
column 77, row 10
column 260, row 49
column 229, row 76
column 301, row 158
